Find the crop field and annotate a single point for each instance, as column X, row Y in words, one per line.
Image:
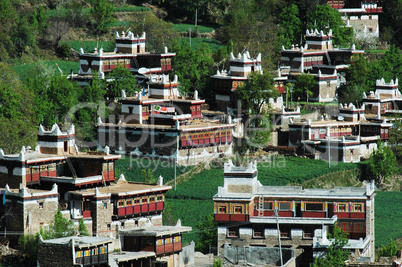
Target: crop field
column 89, row 46
column 388, row 217
column 186, row 27
column 132, row 167
column 292, row 170
column 213, row 44
column 23, row 70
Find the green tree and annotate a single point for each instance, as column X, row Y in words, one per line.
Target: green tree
column 17, row 121
column 120, row 79
column 303, row 86
column 40, row 20
column 159, row 33
column 60, row 227
column 251, row 25
column 324, row 17
column 291, row 26
column 193, row 67
column 395, row 139
column 82, row 229
column 382, row 163
column 23, row 37
column 101, row 12
column 389, row 250
column 254, row 96
column 335, row 254
column 207, row 233
column 28, row 245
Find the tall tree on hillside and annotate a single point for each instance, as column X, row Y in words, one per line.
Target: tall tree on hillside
column 291, row 26
column 252, row 26
column 382, row 163
column 254, row 96
column 193, row 67
column 102, row 11
column 324, row 18
column 303, row 86
column 121, row 79
column 159, row 33
column 17, row 121
column 395, row 140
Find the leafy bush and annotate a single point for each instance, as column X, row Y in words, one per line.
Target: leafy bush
column 64, row 50
column 389, row 250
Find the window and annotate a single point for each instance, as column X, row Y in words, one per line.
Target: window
column 159, row 242
column 238, row 209
column 41, row 205
column 308, row 232
column 129, row 202
column 358, row 207
column 284, row 206
column 151, row 199
column 168, row 240
column 233, row 232
column 341, row 207
column 358, row 227
column 120, row 203
column 136, row 201
column 104, row 205
column 268, row 205
column 159, row 198
column 177, row 239
column 314, row 206
column 285, row 231
column 222, row 209
column 144, row 200
column 258, row 231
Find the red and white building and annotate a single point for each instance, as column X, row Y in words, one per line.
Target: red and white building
column 245, row 211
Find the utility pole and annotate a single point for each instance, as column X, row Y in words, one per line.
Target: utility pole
column 279, row 235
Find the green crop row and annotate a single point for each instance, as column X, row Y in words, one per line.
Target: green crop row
column 89, row 46
column 186, row 27
column 132, row 168
column 23, row 70
column 190, row 212
column 213, row 43
column 388, row 217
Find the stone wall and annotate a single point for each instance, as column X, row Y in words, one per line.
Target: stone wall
column 39, row 213
column 102, row 217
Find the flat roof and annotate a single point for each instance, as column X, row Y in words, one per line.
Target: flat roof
column 124, row 256
column 122, row 189
column 161, row 230
column 80, row 241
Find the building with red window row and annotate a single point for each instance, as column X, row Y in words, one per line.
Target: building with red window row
column 164, row 124
column 130, row 52
column 319, row 58
column 56, row 160
column 245, row 210
column 348, row 138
